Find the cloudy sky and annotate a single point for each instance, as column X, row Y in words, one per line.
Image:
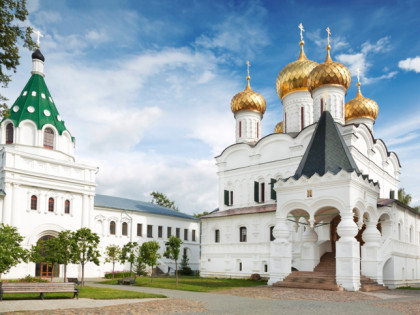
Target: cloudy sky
column 145, row 86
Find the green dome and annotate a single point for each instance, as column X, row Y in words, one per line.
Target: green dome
column 35, row 103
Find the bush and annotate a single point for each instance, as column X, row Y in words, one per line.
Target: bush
column 117, row 274
column 28, row 278
column 255, row 277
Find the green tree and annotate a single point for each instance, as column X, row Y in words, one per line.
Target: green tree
column 11, row 252
column 85, row 248
column 139, row 266
column 198, row 215
column 12, row 14
column 129, row 253
column 62, row 247
column 173, row 246
column 406, row 198
column 113, row 254
column 149, row 254
column 161, row 200
column 185, row 268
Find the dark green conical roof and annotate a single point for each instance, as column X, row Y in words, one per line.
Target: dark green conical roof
column 35, row 103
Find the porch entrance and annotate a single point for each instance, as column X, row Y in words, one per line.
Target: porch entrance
column 44, row 269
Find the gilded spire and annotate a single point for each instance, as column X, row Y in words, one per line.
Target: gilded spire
column 38, row 35
column 302, row 55
column 359, row 93
column 328, row 59
column 248, row 78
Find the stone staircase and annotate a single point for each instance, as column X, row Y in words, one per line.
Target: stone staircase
column 323, row 278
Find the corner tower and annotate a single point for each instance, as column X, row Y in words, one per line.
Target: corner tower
column 248, row 107
column 34, row 122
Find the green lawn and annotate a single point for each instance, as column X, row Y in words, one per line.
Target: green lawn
column 85, row 292
column 196, row 284
column 408, row 288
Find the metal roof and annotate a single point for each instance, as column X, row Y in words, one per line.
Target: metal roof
column 139, row 206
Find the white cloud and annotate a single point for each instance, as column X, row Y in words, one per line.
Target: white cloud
column 337, row 42
column 359, row 60
column 410, row 64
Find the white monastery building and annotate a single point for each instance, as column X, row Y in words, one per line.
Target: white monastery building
column 45, row 191
column 316, row 198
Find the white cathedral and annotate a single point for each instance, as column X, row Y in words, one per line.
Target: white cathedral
column 315, row 201
column 43, row 190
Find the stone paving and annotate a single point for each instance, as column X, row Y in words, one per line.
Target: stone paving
column 255, row 300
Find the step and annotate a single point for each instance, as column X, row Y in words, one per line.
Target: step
column 316, row 286
column 373, row 287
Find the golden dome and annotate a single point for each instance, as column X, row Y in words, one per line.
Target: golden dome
column 329, row 73
column 361, row 107
column 294, row 76
column 248, row 100
column 279, row 128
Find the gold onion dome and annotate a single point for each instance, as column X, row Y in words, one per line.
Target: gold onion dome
column 329, row 73
column 294, row 76
column 279, row 128
column 248, row 100
column 361, row 107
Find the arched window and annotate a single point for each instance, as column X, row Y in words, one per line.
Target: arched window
column 34, row 202
column 240, row 129
column 124, row 228
column 51, row 204
column 9, row 133
column 272, row 238
column 112, row 227
column 217, row 236
column 242, row 234
column 67, row 206
column 322, row 105
column 399, row 231
column 48, row 138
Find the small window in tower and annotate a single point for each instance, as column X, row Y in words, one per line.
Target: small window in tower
column 48, row 138
column 112, row 227
column 258, row 130
column 9, row 133
column 124, row 229
column 33, row 93
column 285, row 122
column 34, row 202
column 240, row 129
column 67, row 206
column 322, row 106
column 51, row 205
column 302, row 118
column 24, row 93
column 43, row 95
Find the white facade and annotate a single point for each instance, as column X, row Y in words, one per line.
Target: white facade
column 45, row 191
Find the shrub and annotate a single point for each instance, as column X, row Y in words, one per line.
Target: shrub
column 255, row 277
column 117, row 274
column 28, row 278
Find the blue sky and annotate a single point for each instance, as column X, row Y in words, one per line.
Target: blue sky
column 145, row 86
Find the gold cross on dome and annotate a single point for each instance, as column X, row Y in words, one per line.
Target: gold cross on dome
column 301, row 31
column 247, row 68
column 358, row 75
column 38, row 35
column 329, row 33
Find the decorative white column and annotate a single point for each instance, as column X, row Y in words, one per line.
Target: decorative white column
column 347, row 253
column 309, row 251
column 292, row 107
column 248, row 126
column 280, row 252
column 331, row 98
column 7, row 206
column 370, row 253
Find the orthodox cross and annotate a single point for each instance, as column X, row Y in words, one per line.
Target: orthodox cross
column 247, row 64
column 301, row 31
column 38, row 33
column 329, row 33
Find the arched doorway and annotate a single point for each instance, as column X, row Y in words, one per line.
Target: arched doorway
column 44, row 269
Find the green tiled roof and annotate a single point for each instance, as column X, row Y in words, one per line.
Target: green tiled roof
column 35, row 103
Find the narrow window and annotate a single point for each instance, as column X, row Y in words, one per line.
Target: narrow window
column 272, row 238
column 258, row 130
column 231, row 198
column 285, row 122
column 217, row 236
column 273, row 193
column 178, row 232
column 112, row 227
column 240, row 266
column 160, row 231
column 9, row 133
column 302, row 125
column 193, row 235
column 67, row 207
column 399, row 231
column 48, row 138
column 262, row 198
column 124, row 229
column 149, row 231
column 51, row 205
column 242, row 234
column 392, row 194
column 139, row 229
column 34, row 202
column 169, row 232
column 240, row 129
column 322, row 106
column 185, row 234
column 265, row 268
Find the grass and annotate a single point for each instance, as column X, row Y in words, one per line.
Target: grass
column 189, row 283
column 408, row 288
column 85, row 292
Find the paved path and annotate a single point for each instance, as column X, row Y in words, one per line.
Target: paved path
column 375, row 303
